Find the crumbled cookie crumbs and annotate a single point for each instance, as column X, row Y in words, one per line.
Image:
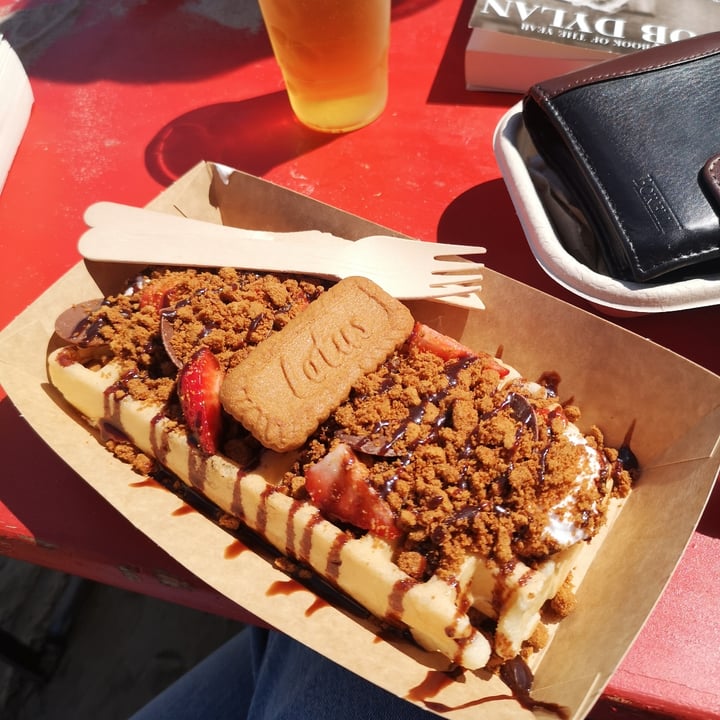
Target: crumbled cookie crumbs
column 286, row 565
column 537, row 641
column 488, row 479
column 485, row 482
column 228, row 311
column 192, row 305
column 229, row 522
column 411, row 562
column 122, row 450
column 465, row 466
column 564, row 601
column 142, row 464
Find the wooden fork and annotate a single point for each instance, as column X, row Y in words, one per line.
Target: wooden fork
column 407, row 269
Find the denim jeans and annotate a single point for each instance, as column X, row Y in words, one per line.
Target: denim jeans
column 264, row 675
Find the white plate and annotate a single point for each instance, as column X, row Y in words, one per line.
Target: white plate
column 515, row 152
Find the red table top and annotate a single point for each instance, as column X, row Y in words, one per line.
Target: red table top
column 128, row 96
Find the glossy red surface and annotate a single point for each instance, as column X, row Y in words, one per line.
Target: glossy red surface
column 128, row 96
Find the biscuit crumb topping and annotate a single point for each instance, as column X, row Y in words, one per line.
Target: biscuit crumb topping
column 463, row 456
column 467, row 464
column 166, row 315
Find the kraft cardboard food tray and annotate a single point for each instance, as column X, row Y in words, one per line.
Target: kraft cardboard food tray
column 618, row 379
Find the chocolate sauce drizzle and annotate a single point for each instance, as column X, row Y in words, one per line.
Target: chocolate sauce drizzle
column 75, row 325
column 290, row 586
column 515, row 674
column 377, row 444
column 246, row 539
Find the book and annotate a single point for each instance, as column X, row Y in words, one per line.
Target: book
column 515, row 44
column 16, row 101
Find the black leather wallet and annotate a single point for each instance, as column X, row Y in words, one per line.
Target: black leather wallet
column 636, row 142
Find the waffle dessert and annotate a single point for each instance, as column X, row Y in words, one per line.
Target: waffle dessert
column 428, row 481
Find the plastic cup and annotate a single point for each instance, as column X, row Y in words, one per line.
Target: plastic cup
column 333, row 55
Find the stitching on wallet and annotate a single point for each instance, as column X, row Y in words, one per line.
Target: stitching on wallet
column 580, row 149
column 589, row 79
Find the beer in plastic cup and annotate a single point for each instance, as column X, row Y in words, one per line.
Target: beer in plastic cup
column 333, row 55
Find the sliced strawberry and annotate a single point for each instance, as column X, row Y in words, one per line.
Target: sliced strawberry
column 553, row 414
column 299, row 298
column 426, row 338
column 157, row 293
column 199, row 392
column 338, row 486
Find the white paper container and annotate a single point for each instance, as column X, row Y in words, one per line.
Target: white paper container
column 513, row 150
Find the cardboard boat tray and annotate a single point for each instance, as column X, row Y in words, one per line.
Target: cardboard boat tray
column 617, row 378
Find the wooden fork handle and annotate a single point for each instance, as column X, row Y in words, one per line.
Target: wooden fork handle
column 212, row 246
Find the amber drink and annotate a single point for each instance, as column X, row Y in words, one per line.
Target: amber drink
column 334, row 58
